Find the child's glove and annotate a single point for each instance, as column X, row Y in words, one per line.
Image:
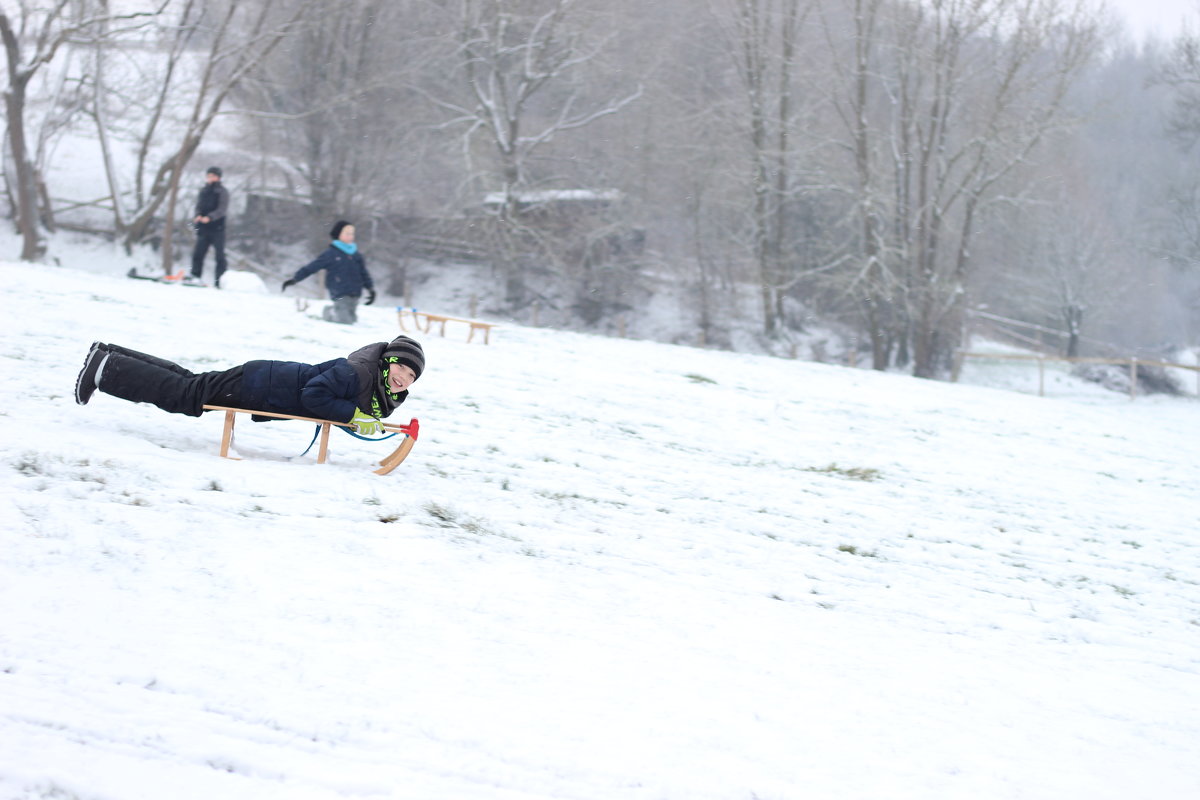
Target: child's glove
column 364, row 424
column 286, row 284
column 370, row 297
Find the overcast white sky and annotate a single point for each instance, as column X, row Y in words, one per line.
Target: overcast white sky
column 1162, row 17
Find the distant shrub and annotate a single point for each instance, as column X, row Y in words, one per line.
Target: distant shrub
column 1115, row 377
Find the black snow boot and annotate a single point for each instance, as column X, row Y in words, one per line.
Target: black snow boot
column 85, row 383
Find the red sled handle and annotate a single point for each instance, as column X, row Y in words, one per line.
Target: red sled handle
column 412, row 428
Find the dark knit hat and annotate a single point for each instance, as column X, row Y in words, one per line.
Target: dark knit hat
column 213, row 171
column 337, row 228
column 406, row 351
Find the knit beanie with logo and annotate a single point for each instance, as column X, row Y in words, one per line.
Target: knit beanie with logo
column 406, row 351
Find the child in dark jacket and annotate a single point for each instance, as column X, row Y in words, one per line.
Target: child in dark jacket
column 346, row 276
column 360, row 389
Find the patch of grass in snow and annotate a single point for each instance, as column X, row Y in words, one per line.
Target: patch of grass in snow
column 854, row 551
column 694, row 378
column 135, row 500
column 52, row 791
column 854, row 473
column 561, row 496
column 449, row 518
column 1123, row 591
column 34, row 464
column 29, row 464
column 445, row 516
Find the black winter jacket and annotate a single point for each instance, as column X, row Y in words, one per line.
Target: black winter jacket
column 213, row 202
column 326, row 391
column 345, row 274
column 329, row 390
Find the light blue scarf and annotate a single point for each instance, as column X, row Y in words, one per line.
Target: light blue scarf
column 348, row 249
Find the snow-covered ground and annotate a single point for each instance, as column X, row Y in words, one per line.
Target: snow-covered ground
column 608, row 569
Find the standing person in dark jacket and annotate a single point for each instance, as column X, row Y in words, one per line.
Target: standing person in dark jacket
column 211, row 206
column 346, row 275
column 360, row 389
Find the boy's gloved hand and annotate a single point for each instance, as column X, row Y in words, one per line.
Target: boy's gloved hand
column 286, row 284
column 364, row 424
column 370, row 297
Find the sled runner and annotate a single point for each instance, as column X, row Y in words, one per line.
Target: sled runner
column 389, row 462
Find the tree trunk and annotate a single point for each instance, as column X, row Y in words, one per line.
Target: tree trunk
column 1073, row 315
column 32, row 247
column 168, row 254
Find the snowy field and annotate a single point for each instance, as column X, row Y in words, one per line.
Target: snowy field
column 608, row 569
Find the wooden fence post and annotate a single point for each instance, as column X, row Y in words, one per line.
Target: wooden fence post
column 1041, row 377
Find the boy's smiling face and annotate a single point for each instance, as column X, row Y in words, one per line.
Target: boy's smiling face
column 400, row 377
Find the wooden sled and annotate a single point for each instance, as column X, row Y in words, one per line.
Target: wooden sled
column 424, row 317
column 389, row 463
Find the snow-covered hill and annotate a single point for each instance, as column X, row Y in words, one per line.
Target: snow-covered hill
column 609, row 569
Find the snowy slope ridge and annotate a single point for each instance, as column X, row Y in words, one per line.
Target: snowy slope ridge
column 608, row 569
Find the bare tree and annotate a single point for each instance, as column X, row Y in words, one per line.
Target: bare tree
column 1181, row 72
column 947, row 98
column 31, row 40
column 511, row 54
column 209, row 49
column 332, row 106
column 762, row 38
column 1065, row 266
column 853, row 100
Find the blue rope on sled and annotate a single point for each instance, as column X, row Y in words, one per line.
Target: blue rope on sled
column 317, row 433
